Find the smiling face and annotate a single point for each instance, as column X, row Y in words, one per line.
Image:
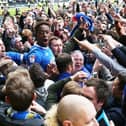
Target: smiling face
column 19, row 45
column 78, row 60
column 42, row 35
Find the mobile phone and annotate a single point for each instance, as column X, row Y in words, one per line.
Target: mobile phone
column 103, row 117
column 95, row 74
column 101, row 43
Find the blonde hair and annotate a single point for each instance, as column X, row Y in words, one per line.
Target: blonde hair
column 72, row 87
column 51, row 117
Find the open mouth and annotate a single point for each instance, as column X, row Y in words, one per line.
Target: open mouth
column 45, row 40
column 77, row 67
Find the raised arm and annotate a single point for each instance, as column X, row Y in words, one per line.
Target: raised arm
column 114, row 67
column 114, row 45
column 57, row 87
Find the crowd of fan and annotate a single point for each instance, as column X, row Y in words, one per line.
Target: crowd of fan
column 64, row 67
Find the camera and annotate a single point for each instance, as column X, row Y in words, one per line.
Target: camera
column 101, row 43
column 95, row 74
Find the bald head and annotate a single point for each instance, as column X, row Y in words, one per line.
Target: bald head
column 75, row 107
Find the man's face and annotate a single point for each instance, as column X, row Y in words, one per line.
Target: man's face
column 84, row 8
column 56, row 46
column 19, row 45
column 42, row 35
column 78, row 60
column 90, row 93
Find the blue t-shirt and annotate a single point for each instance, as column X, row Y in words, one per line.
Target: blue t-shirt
column 37, row 54
column 41, row 55
column 63, row 75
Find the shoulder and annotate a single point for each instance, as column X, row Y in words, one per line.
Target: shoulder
column 6, row 121
column 115, row 114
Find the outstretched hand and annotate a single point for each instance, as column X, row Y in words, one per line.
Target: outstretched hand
column 85, row 44
column 110, row 41
column 106, row 37
column 37, row 108
column 52, row 69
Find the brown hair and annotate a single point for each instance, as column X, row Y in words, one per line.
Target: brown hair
column 101, row 88
column 26, row 32
column 37, row 75
column 53, row 38
column 19, row 89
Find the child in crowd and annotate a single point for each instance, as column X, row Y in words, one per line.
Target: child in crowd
column 19, row 91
